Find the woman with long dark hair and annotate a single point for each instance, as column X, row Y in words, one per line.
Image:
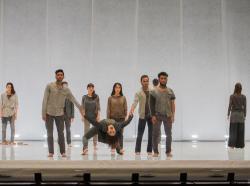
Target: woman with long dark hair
column 117, row 108
column 109, row 132
column 91, row 107
column 237, row 110
column 8, row 111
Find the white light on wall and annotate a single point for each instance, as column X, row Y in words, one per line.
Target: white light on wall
column 45, row 136
column 195, row 136
column 163, row 136
column 17, row 136
column 77, row 136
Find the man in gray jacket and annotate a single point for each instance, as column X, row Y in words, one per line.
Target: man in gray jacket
column 53, row 110
column 68, row 116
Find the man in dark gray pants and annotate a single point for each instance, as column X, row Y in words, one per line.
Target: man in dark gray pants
column 53, row 109
column 162, row 105
column 68, row 116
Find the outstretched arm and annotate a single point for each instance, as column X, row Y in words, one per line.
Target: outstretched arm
column 126, row 122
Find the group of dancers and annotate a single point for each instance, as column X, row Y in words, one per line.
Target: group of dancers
column 156, row 107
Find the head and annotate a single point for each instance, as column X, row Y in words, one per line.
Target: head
column 59, row 75
column 91, row 89
column 163, row 78
column 117, row 89
column 65, row 84
column 155, row 82
column 145, row 81
column 111, row 130
column 237, row 88
column 10, row 88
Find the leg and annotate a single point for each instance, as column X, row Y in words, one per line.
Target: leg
column 12, row 127
column 168, row 132
column 240, row 135
column 232, row 135
column 150, row 131
column 141, row 128
column 156, row 133
column 60, row 131
column 92, row 132
column 86, row 129
column 50, row 139
column 4, row 126
column 67, row 121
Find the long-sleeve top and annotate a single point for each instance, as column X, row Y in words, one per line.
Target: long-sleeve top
column 160, row 101
column 237, row 108
column 91, row 106
column 102, row 127
column 144, row 103
column 54, row 100
column 8, row 105
column 69, row 110
column 117, row 107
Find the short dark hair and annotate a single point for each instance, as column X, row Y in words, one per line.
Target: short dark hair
column 155, row 81
column 162, row 74
column 144, row 76
column 59, row 70
column 90, row 85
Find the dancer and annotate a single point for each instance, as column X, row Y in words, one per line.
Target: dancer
column 162, row 105
column 69, row 113
column 117, row 108
column 109, row 132
column 91, row 109
column 142, row 97
column 8, row 111
column 237, row 110
column 53, row 110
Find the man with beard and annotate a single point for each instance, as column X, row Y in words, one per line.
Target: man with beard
column 162, row 105
column 53, row 110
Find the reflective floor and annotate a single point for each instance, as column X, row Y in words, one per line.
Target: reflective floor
column 37, row 150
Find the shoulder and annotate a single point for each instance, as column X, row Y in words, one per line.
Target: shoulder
column 170, row 90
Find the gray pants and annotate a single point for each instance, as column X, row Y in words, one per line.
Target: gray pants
column 87, row 128
column 156, row 132
column 5, row 121
column 67, row 121
column 59, row 120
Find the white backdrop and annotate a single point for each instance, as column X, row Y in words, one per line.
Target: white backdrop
column 203, row 45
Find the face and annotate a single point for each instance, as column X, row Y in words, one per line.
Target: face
column 8, row 88
column 163, row 80
column 90, row 90
column 111, row 130
column 145, row 82
column 59, row 76
column 117, row 89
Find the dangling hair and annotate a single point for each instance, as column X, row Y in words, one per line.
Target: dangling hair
column 112, row 141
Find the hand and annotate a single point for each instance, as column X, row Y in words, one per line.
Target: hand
column 44, row 118
column 154, row 120
column 131, row 111
column 172, row 119
column 15, row 116
column 98, row 118
column 72, row 120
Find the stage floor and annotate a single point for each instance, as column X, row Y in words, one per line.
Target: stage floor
column 38, row 150
column 200, row 160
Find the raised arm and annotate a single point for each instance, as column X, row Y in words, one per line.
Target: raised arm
column 123, row 124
